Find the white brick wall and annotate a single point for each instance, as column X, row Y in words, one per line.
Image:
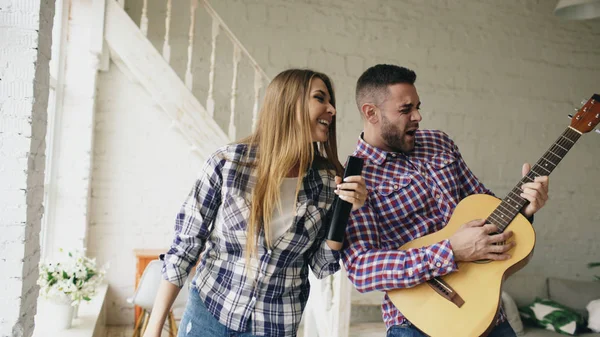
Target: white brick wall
column 498, row 76
column 143, row 171
column 25, row 39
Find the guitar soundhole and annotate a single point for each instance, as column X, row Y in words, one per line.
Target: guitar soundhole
column 482, row 261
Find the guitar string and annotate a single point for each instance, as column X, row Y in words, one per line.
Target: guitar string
column 502, row 216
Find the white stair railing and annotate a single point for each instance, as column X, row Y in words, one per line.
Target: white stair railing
column 239, row 53
column 260, row 77
column 135, row 55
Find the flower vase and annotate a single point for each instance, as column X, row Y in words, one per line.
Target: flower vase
column 76, row 311
column 62, row 315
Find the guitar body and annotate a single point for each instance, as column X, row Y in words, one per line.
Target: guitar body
column 478, row 283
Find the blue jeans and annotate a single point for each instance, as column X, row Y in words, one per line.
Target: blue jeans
column 197, row 321
column 502, row 330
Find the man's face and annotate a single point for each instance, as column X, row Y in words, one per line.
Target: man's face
column 400, row 117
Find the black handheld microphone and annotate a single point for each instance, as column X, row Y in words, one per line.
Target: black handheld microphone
column 342, row 208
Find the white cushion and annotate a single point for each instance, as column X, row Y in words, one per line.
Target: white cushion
column 512, row 313
column 593, row 309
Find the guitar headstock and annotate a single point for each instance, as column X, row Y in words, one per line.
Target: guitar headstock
column 588, row 116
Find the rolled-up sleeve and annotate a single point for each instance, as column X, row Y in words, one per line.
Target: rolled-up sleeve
column 194, row 222
column 323, row 260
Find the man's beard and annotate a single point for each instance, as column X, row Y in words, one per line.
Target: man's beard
column 394, row 138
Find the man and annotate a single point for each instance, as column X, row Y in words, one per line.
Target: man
column 415, row 179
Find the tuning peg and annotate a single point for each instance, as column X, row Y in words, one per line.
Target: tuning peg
column 570, row 116
column 584, row 101
column 597, row 130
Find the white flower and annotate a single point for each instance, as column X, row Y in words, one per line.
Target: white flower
column 80, row 273
column 69, row 279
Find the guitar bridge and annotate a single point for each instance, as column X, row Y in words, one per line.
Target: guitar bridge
column 446, row 291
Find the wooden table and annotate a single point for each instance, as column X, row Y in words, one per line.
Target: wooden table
column 143, row 257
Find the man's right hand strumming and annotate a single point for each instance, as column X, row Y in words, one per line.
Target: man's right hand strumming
column 476, row 240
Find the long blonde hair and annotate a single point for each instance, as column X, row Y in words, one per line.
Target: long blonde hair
column 284, row 141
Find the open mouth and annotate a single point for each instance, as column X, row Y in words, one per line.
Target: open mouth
column 323, row 122
column 411, row 132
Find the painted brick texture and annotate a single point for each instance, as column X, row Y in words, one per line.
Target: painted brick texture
column 143, row 170
column 25, row 39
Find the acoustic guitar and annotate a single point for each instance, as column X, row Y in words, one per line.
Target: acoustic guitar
column 465, row 303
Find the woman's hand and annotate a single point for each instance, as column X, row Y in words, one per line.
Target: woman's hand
column 353, row 190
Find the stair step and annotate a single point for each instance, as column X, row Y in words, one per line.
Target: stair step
column 367, row 329
column 369, row 298
column 365, row 314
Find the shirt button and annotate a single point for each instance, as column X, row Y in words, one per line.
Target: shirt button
column 410, row 272
column 394, row 155
column 396, row 187
column 446, row 161
column 437, row 196
column 298, row 204
column 438, row 264
column 269, row 252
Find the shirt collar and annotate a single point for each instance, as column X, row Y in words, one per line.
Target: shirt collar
column 376, row 155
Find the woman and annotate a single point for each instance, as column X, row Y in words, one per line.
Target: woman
column 257, row 218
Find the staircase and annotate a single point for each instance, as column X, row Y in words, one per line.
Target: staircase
column 198, row 72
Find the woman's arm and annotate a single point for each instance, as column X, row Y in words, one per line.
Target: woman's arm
column 193, row 226
column 167, row 292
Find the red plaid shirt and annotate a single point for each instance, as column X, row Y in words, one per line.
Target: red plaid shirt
column 410, row 195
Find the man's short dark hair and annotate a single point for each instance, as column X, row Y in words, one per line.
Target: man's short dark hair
column 371, row 86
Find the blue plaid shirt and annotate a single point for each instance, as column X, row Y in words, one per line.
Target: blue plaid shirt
column 270, row 294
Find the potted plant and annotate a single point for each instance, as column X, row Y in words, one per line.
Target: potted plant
column 66, row 282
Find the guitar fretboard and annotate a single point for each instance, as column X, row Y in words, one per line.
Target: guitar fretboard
column 513, row 202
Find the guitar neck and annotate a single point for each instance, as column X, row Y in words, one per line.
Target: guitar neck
column 513, row 202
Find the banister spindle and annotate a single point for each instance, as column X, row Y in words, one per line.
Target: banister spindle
column 144, row 18
column 190, row 51
column 166, row 46
column 257, row 87
column 236, row 61
column 210, row 101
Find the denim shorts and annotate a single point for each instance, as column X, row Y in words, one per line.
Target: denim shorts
column 501, row 330
column 197, row 321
